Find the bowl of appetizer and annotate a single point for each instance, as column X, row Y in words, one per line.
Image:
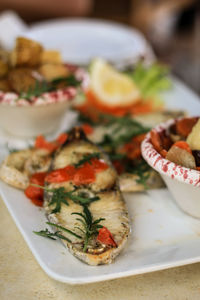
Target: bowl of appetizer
column 173, row 150
column 36, row 89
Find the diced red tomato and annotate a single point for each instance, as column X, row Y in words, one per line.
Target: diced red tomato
column 133, row 148
column 37, row 201
column 87, row 129
column 98, row 165
column 62, row 138
column 84, row 175
column 61, row 175
column 38, row 178
column 118, row 166
column 42, row 143
column 34, row 192
column 106, row 237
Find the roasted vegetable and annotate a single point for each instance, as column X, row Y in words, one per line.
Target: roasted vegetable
column 193, row 138
column 181, row 157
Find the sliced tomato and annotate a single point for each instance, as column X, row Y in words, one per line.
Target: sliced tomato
column 34, row 192
column 61, row 175
column 87, row 129
column 118, row 166
column 62, row 138
column 37, row 201
column 56, row 176
column 98, row 165
column 38, row 178
column 42, row 143
column 106, row 237
column 133, row 148
column 84, row 175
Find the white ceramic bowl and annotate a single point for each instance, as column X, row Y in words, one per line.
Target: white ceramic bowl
column 45, row 115
column 183, row 183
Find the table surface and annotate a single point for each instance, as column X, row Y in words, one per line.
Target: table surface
column 22, row 278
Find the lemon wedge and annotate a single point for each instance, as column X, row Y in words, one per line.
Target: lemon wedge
column 111, row 87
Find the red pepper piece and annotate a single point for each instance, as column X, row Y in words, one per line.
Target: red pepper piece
column 62, row 138
column 184, row 126
column 42, row 143
column 33, row 192
column 87, row 129
column 61, row 175
column 106, row 237
column 38, row 178
column 36, row 193
column 98, row 165
column 37, row 201
column 156, row 140
column 84, row 175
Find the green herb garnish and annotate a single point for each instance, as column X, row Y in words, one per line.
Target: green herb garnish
column 67, row 81
column 90, row 226
column 60, row 196
column 52, row 235
column 35, row 91
column 87, row 158
column 88, row 229
column 142, row 170
column 42, row 87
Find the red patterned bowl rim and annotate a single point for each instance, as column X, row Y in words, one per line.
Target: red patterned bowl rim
column 48, row 98
column 164, row 166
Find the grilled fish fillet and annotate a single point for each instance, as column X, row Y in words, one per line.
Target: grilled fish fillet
column 110, row 206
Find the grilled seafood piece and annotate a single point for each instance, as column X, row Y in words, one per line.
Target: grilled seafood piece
column 110, row 204
column 17, row 168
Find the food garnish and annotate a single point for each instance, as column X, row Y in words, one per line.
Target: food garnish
column 185, row 150
column 29, row 71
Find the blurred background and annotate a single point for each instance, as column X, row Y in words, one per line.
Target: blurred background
column 171, row 26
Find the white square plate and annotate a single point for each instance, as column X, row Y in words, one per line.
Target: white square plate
column 162, row 236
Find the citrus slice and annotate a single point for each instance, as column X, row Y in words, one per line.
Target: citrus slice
column 111, row 87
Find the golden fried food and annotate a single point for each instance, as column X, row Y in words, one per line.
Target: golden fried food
column 4, row 85
column 22, row 79
column 3, row 68
column 26, row 53
column 50, row 57
column 52, row 71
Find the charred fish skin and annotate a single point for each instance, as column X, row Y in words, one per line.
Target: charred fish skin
column 110, row 206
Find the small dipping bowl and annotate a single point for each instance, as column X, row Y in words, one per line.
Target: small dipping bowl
column 183, row 183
